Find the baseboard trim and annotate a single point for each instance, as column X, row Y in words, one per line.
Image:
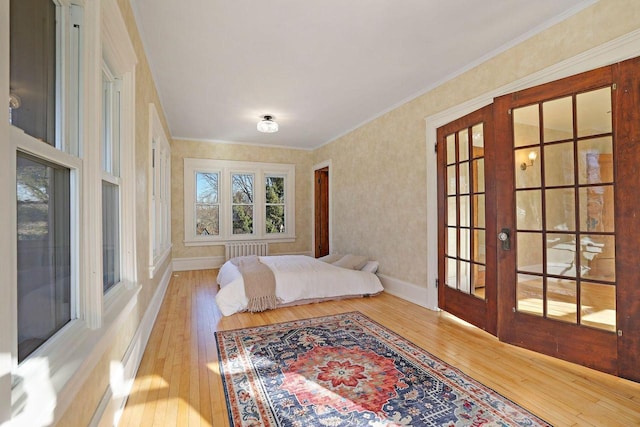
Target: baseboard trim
column 122, row 374
column 407, row 291
column 197, row 263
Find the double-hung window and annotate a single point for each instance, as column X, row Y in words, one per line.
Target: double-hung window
column 232, row 200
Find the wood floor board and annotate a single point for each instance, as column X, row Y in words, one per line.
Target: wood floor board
column 179, row 382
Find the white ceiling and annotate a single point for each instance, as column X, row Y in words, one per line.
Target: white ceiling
column 322, row 68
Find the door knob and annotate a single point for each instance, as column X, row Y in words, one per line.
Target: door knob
column 505, row 238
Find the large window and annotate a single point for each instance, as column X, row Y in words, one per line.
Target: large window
column 228, row 200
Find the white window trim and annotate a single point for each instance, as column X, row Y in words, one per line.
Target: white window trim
column 159, row 200
column 226, row 168
column 46, row 382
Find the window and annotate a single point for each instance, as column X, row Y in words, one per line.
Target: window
column 231, row 200
column 160, row 203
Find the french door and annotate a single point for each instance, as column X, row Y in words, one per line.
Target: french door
column 562, row 220
column 467, row 287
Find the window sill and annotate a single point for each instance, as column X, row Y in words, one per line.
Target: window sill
column 47, row 381
column 220, row 242
column 159, row 261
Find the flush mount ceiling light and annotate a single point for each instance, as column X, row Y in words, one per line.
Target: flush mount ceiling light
column 267, row 125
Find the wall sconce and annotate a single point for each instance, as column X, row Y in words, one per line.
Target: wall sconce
column 532, row 157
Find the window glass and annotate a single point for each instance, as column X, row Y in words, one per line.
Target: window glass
column 207, row 204
column 275, row 204
column 242, row 203
column 110, row 235
column 44, row 251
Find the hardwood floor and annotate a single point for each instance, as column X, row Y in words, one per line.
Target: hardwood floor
column 178, row 382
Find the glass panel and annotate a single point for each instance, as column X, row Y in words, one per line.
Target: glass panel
column 558, row 164
column 274, row 189
column 451, row 180
column 242, row 219
column 478, row 211
column 529, row 293
column 452, row 242
column 110, row 235
column 452, row 274
column 33, row 68
column 463, row 145
column 207, row 187
column 44, row 251
column 207, row 220
column 465, row 244
column 561, row 254
column 594, row 112
column 562, row 300
column 477, row 139
column 527, row 167
column 597, row 208
column 529, row 252
column 465, row 211
column 557, row 117
column 529, row 210
column 598, row 256
column 464, row 177
column 479, row 280
column 526, row 126
column 451, row 149
column 275, row 219
column 479, row 253
column 478, row 175
column 598, row 306
column 452, row 211
column 595, row 161
column 561, row 209
column 242, row 188
column 465, row 277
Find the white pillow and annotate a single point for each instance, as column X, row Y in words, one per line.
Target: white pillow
column 352, row 262
column 331, row 258
column 371, row 267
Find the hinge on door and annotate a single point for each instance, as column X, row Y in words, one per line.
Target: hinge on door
column 509, row 111
column 614, row 86
column 619, row 332
column 435, row 147
column 437, row 283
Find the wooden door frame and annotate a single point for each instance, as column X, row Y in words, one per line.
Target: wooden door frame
column 316, row 167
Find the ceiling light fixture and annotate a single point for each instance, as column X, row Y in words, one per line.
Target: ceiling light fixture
column 267, row 124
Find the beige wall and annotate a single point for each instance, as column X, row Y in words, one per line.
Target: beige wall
column 86, row 401
column 380, row 169
column 250, row 153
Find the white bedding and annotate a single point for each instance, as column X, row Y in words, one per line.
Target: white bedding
column 298, row 277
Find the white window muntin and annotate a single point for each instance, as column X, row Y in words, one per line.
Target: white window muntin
column 226, row 169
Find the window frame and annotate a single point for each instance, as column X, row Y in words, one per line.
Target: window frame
column 226, row 169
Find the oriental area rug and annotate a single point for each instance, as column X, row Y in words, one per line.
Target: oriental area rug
column 347, row 370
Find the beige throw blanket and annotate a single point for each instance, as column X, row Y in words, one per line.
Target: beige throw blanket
column 259, row 283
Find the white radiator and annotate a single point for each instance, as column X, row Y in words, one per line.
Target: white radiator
column 232, row 250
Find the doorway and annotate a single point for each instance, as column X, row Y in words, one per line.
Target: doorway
column 561, row 232
column 321, row 214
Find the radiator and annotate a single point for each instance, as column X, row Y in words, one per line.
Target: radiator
column 232, row 250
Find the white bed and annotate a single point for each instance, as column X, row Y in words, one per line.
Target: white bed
column 298, row 279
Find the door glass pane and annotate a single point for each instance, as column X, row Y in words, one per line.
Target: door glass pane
column 527, row 167
column 526, row 126
column 465, row 211
column 594, row 112
column 558, row 164
column 452, row 211
column 562, row 301
column 463, row 145
column 465, row 277
column 478, row 175
column 465, row 244
column 464, row 177
column 529, row 294
column 529, row 210
column 452, row 274
column 557, row 116
column 596, row 209
column 480, row 250
column 477, row 140
column 595, row 161
column 598, row 306
column 561, row 254
column 451, row 149
column 479, row 280
column 452, row 242
column 43, row 251
column 561, row 209
column 529, row 252
column 451, row 180
column 598, row 254
column 478, row 211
